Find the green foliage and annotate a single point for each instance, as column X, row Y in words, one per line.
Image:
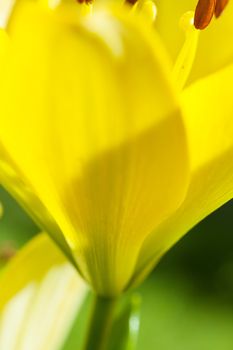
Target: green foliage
column 15, row 226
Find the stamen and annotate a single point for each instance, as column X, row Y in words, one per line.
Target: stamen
column 206, row 9
column 204, row 13
column 131, row 2
column 185, row 59
column 220, row 6
column 86, row 7
column 147, row 9
column 85, row 1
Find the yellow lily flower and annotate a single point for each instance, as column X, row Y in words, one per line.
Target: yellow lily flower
column 96, row 143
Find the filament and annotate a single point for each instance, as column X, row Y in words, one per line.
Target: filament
column 185, row 59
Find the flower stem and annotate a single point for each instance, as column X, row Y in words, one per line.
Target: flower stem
column 100, row 324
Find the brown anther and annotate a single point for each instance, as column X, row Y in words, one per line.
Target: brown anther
column 85, row 1
column 204, row 13
column 206, row 9
column 220, row 6
column 131, row 2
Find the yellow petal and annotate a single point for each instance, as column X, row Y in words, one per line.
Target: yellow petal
column 92, row 127
column 36, row 287
column 208, row 111
column 215, row 49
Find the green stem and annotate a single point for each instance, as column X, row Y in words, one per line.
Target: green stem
column 100, row 324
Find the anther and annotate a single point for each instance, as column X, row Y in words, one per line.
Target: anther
column 131, row 2
column 220, row 6
column 205, row 11
column 85, row 1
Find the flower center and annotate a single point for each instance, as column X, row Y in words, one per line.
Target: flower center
column 206, row 9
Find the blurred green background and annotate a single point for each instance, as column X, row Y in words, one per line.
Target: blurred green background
column 187, row 302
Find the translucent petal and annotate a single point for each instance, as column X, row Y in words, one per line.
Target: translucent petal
column 91, row 126
column 208, row 110
column 36, row 287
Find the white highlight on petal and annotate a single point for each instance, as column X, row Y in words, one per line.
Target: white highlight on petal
column 13, row 317
column 54, row 3
column 6, row 7
column 147, row 9
column 108, row 29
column 40, row 316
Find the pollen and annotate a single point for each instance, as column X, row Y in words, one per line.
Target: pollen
column 205, row 11
column 88, row 2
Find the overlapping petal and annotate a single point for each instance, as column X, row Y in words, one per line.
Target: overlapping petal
column 90, row 125
column 38, row 281
column 208, row 116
